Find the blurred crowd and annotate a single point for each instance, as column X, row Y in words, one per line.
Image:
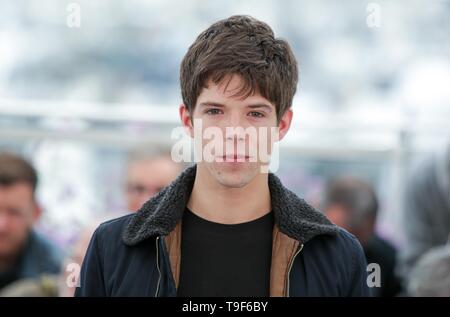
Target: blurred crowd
column 32, row 265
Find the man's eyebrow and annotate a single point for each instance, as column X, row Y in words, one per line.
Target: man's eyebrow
column 211, row 103
column 260, row 105
column 251, row 106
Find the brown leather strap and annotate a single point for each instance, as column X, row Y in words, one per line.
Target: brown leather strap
column 173, row 244
column 283, row 250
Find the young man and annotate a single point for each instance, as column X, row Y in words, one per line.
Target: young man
column 24, row 254
column 225, row 227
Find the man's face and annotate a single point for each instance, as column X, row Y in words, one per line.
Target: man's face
column 344, row 218
column 18, row 212
column 146, row 178
column 242, row 154
column 339, row 215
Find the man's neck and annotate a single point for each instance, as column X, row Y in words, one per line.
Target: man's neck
column 217, row 203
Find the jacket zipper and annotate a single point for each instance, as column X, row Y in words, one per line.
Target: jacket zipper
column 290, row 267
column 157, row 265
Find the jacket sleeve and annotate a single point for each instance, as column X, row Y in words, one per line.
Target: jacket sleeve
column 359, row 286
column 91, row 281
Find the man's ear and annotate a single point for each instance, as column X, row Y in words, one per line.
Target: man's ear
column 37, row 211
column 186, row 120
column 285, row 124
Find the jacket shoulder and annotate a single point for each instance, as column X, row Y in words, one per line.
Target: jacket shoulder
column 114, row 226
column 109, row 235
column 108, row 261
column 345, row 260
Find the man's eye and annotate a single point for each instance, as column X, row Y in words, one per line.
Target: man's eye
column 15, row 212
column 213, row 111
column 256, row 114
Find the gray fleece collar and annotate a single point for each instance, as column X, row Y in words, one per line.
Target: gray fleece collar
column 160, row 214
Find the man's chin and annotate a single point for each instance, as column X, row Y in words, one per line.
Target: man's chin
column 234, row 175
column 231, row 183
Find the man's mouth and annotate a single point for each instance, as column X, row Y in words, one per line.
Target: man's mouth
column 235, row 158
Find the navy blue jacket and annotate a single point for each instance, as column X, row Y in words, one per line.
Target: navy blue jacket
column 136, row 255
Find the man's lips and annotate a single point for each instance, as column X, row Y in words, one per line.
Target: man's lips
column 235, row 158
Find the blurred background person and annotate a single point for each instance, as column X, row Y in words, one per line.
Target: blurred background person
column 430, row 276
column 148, row 172
column 426, row 216
column 353, row 205
column 23, row 252
column 56, row 285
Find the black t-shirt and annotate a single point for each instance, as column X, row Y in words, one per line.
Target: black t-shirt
column 225, row 260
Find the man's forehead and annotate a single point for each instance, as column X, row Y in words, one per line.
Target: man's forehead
column 152, row 168
column 15, row 191
column 230, row 89
column 17, row 187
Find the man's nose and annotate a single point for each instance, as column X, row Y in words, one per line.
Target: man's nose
column 235, row 127
column 235, row 120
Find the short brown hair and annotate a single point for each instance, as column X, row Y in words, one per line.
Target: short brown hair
column 353, row 194
column 247, row 47
column 15, row 169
